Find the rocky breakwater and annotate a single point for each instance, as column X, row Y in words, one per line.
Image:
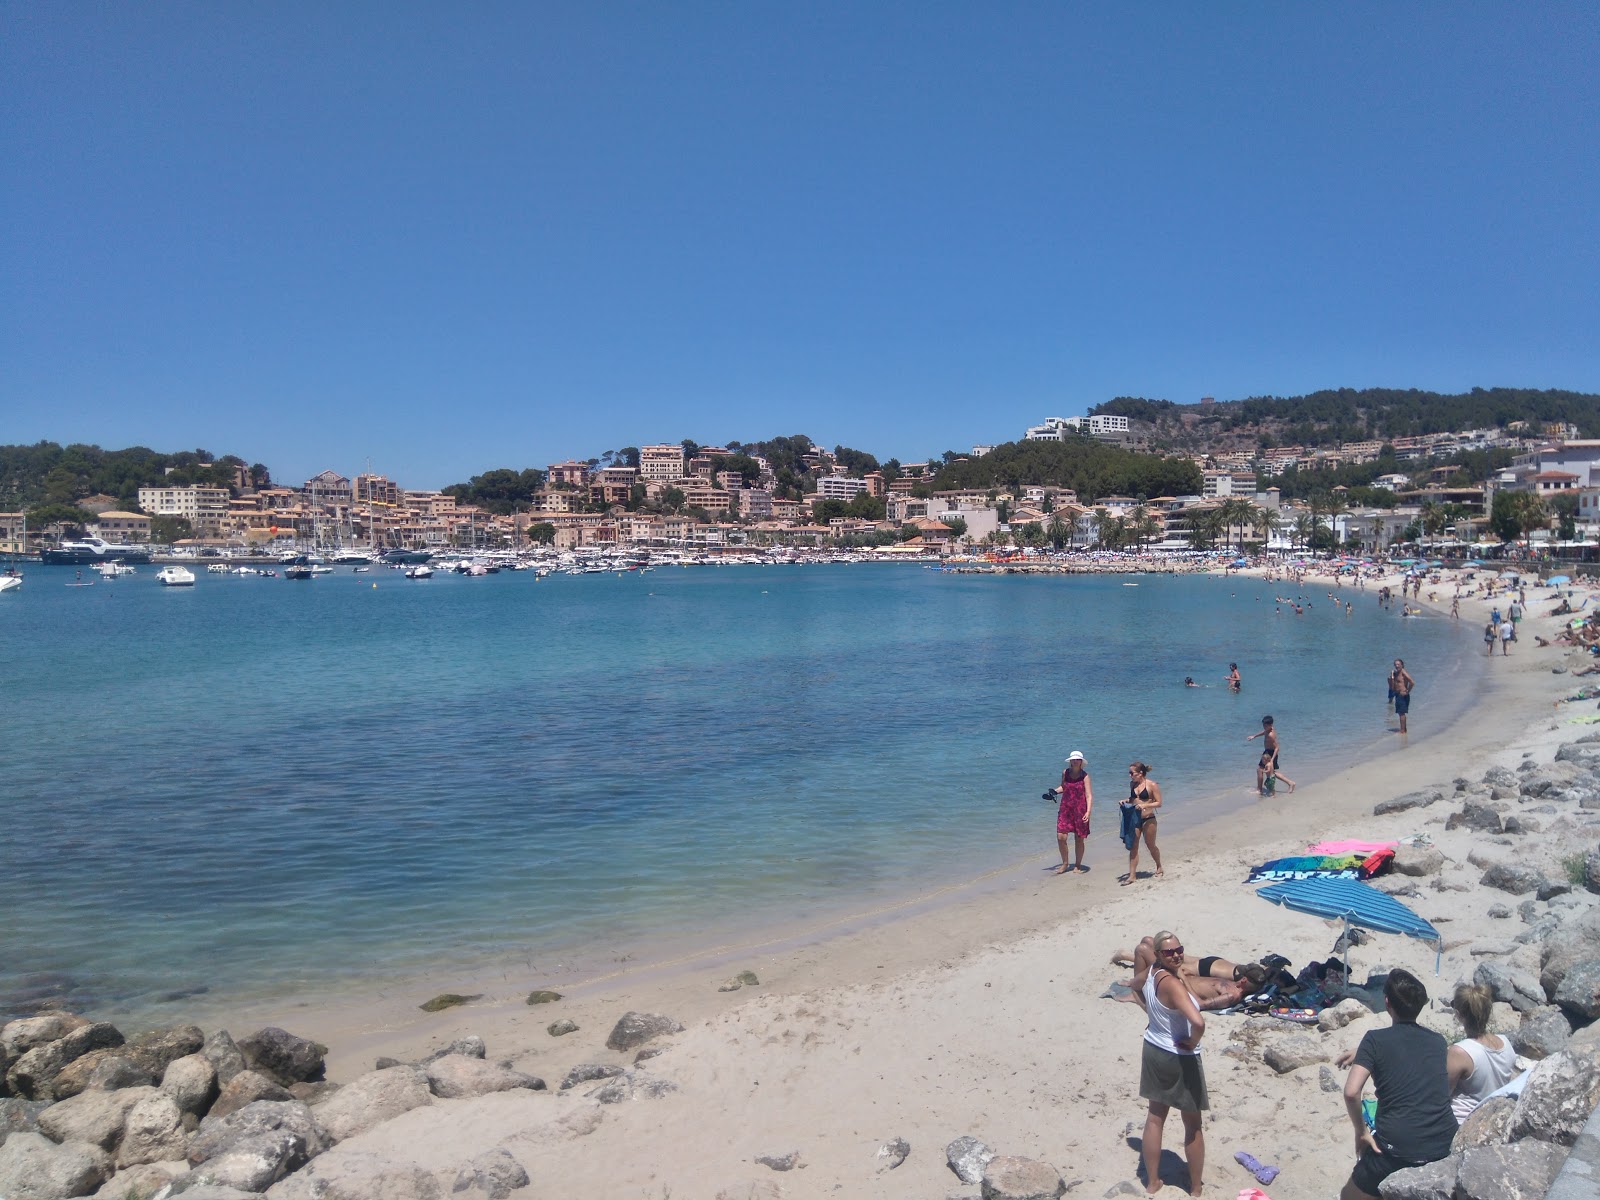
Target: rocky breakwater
column 1508, row 869
column 176, row 1112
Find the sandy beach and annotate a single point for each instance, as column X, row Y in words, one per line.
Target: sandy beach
column 976, row 1011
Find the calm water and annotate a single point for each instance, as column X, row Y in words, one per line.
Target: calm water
column 257, row 784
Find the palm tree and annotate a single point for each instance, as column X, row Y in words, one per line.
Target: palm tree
column 1263, row 521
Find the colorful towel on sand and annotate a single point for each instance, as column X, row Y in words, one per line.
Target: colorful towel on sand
column 1350, row 846
column 1323, row 866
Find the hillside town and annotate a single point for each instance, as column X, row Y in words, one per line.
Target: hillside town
column 714, row 498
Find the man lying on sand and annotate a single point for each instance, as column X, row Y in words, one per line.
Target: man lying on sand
column 1214, row 981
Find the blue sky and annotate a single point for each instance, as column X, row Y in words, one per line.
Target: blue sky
column 446, row 238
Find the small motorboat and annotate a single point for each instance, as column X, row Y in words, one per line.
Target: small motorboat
column 420, row 571
column 175, row 576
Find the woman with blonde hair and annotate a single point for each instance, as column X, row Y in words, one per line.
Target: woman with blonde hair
column 1139, row 818
column 1482, row 1062
column 1170, row 1073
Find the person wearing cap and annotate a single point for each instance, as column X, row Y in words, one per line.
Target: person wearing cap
column 1072, row 818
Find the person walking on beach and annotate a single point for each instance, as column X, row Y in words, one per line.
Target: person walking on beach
column 1507, row 632
column 1490, row 633
column 1400, row 685
column 1171, row 1075
column 1409, row 1069
column 1139, row 819
column 1072, row 818
column 1267, row 765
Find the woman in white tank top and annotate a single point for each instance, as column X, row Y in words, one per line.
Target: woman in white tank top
column 1170, row 1074
column 1482, row 1062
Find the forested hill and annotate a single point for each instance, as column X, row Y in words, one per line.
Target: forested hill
column 1090, row 468
column 49, row 480
column 1326, row 418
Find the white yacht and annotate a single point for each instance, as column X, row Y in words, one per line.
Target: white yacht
column 175, row 576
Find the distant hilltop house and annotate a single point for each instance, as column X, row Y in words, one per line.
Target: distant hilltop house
column 1055, row 429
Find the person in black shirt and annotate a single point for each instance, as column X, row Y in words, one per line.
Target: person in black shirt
column 1407, row 1066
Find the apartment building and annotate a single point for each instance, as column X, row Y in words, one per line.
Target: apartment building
column 612, row 485
column 203, row 507
column 663, row 462
column 329, row 486
column 124, row 526
column 374, row 489
column 566, row 474
column 840, row 487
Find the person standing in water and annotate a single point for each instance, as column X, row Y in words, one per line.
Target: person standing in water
column 1267, row 766
column 1233, row 677
column 1400, row 685
column 1072, row 819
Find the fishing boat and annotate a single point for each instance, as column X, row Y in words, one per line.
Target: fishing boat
column 175, row 576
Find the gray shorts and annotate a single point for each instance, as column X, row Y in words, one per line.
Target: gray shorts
column 1177, row 1080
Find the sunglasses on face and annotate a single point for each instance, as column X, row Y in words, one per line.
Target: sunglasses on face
column 1173, row 952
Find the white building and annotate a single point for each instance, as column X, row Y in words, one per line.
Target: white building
column 662, row 462
column 839, row 487
column 1103, row 425
column 202, row 507
column 1054, row 429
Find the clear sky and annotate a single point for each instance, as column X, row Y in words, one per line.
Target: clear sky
column 444, row 238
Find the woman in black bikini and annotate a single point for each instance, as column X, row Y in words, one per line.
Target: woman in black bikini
column 1144, row 796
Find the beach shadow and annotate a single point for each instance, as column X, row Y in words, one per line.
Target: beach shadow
column 1173, row 1170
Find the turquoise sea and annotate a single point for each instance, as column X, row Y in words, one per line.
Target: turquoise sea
column 254, row 785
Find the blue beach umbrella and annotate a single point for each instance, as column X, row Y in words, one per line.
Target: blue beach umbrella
column 1355, row 902
column 1557, row 579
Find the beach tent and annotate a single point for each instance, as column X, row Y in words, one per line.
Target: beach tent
column 1356, row 903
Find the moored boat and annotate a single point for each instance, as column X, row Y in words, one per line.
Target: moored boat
column 175, row 576
column 90, row 550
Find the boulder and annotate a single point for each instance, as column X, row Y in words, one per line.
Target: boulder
column 246, row 1088
column 1517, row 988
column 1328, row 1079
column 637, row 1028
column 1407, row 802
column 1522, row 824
column 32, row 1167
column 543, row 996
column 446, row 1000
column 1502, row 777
column 106, row 1070
column 141, row 1182
column 561, row 1028
column 20, row 1116
column 588, row 1073
column 93, row 1117
column 1477, row 817
column 218, row 1135
column 313, row 1094
column 1435, row 1181
column 1544, row 1031
column 373, row 1098
column 19, row 1036
column 1591, row 871
column 456, row 1076
column 495, row 1174
column 1579, row 987
column 191, row 1081
column 33, row 1075
column 1341, row 1014
column 160, row 1048
column 282, row 1057
column 153, row 1132
column 354, row 1175
column 968, row 1158
column 254, row 1163
column 1575, row 940
column 1010, row 1178
column 892, row 1153
column 1516, row 878
column 1522, row 1171
column 1560, row 1093
column 203, row 1191
column 471, row 1047
column 1499, row 912
column 223, row 1054
column 1291, row 1053
column 1417, row 861
column 1487, row 1125
column 1549, row 889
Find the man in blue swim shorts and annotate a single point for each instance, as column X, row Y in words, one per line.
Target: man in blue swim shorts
column 1400, row 685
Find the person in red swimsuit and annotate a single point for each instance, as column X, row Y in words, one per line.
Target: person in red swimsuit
column 1072, row 818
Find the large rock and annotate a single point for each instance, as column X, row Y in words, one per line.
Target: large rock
column 1558, row 1097
column 1576, row 940
column 471, row 1046
column 1580, row 987
column 1500, row 777
column 1477, row 817
column 494, row 1175
column 93, row 1117
column 1517, row 988
column 373, row 1098
column 142, row 1182
column 153, row 1132
column 1523, row 1171
column 1435, row 1181
column 246, row 1088
column 353, row 1175
column 160, row 1048
column 106, row 1069
column 1407, row 802
column 968, row 1158
column 20, row 1116
column 33, row 1075
column 191, row 1081
column 203, row 1191
column 218, row 1135
column 1291, row 1053
column 1517, row 878
column 637, row 1028
column 1544, row 1031
column 1487, row 1125
column 222, row 1053
column 455, row 1076
column 1417, row 860
column 32, row 1167
column 1341, row 1014
column 254, row 1163
column 19, row 1036
column 1010, row 1178
column 588, row 1073
column 282, row 1057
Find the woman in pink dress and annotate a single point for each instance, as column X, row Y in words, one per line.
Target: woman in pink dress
column 1072, row 819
